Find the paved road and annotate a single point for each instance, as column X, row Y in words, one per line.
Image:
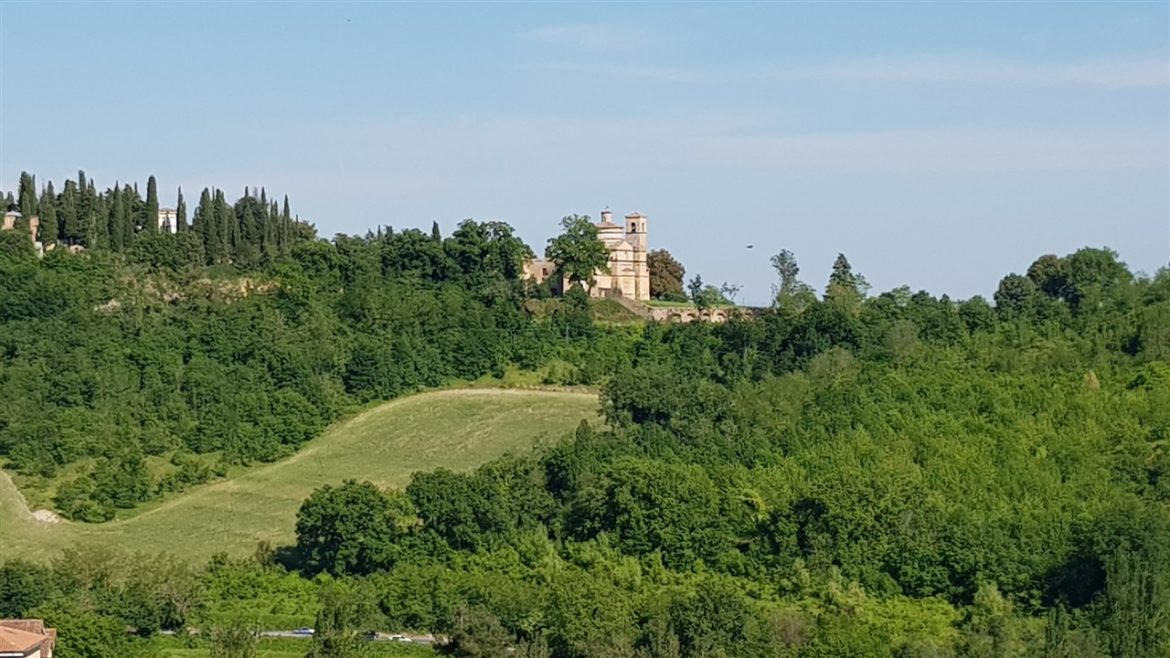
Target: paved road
column 379, row 637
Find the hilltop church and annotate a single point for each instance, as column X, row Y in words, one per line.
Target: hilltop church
column 628, row 275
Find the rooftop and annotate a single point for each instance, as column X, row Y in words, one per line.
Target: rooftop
column 16, row 641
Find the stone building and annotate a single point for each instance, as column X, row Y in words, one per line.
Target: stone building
column 629, row 273
column 12, row 217
column 168, row 220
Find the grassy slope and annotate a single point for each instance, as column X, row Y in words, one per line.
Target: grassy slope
column 457, row 429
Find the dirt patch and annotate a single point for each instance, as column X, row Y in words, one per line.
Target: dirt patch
column 46, row 516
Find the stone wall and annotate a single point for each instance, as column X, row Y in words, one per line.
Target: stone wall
column 683, row 314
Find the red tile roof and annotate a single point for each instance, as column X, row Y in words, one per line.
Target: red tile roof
column 17, row 641
column 20, row 636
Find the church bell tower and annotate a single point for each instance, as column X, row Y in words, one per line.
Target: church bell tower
column 636, row 231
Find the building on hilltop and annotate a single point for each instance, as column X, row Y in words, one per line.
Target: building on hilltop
column 34, row 224
column 26, row 638
column 13, row 216
column 168, row 220
column 629, row 273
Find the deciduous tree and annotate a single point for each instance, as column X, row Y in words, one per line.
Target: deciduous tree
column 577, row 251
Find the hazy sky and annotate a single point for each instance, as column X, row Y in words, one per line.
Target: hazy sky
column 939, row 146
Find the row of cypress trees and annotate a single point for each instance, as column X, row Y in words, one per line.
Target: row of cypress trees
column 248, row 232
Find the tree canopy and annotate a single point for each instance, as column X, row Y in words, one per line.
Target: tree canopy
column 577, row 251
column 666, row 276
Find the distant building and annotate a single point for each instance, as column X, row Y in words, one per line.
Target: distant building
column 10, row 219
column 26, row 638
column 629, row 273
column 168, row 220
column 34, row 224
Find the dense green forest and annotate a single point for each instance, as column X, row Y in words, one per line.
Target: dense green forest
column 842, row 474
column 145, row 348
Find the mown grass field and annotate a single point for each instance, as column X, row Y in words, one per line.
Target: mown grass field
column 456, row 429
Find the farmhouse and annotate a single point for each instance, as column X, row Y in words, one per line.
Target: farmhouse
column 628, row 274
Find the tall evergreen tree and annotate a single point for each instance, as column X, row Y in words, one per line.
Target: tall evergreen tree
column 117, row 235
column 436, row 234
column 27, row 195
column 85, row 198
column 69, row 214
column 844, row 284
column 284, row 236
column 93, row 213
column 228, row 229
column 150, row 221
column 130, row 210
column 84, row 205
column 271, row 248
column 180, row 212
column 49, row 228
column 206, row 224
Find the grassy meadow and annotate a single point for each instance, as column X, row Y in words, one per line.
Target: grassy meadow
column 455, row 429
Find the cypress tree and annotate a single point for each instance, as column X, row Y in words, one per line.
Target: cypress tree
column 69, row 217
column 226, row 227
column 84, row 204
column 130, row 203
column 206, row 224
column 115, row 219
column 85, row 194
column 436, row 235
column 49, row 228
column 180, row 212
column 284, row 235
column 150, row 222
column 9, row 202
column 93, row 210
column 270, row 251
column 27, row 199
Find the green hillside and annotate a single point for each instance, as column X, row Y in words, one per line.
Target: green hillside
column 457, row 429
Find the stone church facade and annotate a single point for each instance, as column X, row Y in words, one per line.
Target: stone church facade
column 629, row 273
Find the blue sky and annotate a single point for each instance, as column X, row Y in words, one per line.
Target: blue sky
column 937, row 145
